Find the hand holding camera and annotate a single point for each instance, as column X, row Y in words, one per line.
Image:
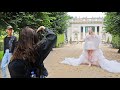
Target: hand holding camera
column 40, row 29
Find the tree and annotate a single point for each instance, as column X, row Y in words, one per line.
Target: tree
column 112, row 24
column 55, row 20
column 20, row 19
column 60, row 23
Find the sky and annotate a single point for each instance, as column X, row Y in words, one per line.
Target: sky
column 86, row 14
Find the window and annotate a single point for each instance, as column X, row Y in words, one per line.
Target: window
column 97, row 28
column 81, row 29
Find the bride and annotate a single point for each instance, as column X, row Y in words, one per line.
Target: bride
column 93, row 55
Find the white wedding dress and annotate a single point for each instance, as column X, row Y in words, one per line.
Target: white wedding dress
column 93, row 42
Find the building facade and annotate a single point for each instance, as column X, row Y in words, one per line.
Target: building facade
column 78, row 28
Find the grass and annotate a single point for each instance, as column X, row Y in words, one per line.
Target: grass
column 1, row 40
column 1, row 55
column 60, row 40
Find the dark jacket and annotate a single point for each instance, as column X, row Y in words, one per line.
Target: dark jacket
column 48, row 41
column 20, row 69
column 12, row 44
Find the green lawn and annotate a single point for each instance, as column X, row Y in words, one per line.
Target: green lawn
column 1, row 55
column 60, row 40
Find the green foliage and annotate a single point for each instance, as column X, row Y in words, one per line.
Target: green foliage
column 57, row 21
column 1, row 38
column 116, row 41
column 60, row 40
column 112, row 23
column 1, row 55
column 60, row 24
column 21, row 19
column 1, row 46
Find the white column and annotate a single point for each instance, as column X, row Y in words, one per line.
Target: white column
column 83, row 32
column 100, row 31
column 95, row 29
column 71, row 36
column 79, row 34
column 68, row 34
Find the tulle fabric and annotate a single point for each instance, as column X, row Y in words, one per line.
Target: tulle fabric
column 108, row 65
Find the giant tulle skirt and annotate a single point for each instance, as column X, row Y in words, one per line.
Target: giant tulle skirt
column 108, row 65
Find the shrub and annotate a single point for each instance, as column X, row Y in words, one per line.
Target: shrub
column 116, row 41
column 60, row 40
column 1, row 55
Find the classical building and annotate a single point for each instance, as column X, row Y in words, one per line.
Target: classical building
column 78, row 28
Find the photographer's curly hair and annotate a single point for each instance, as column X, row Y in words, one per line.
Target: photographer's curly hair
column 25, row 48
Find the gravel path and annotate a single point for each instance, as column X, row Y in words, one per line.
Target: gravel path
column 57, row 70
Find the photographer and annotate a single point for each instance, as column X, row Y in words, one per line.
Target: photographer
column 30, row 53
column 42, row 33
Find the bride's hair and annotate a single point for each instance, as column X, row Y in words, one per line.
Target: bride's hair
column 90, row 31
